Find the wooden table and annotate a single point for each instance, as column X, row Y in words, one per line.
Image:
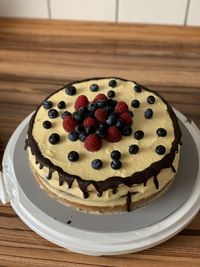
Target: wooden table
column 38, row 56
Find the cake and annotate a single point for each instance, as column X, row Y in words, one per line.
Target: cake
column 104, row 145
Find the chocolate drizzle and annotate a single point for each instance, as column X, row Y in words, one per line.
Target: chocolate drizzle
column 128, row 202
column 111, row 182
column 173, row 169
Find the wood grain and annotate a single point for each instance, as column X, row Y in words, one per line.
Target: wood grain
column 38, row 57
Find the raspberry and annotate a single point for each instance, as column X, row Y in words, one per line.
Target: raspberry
column 89, row 121
column 99, row 97
column 113, row 134
column 121, row 107
column 92, row 143
column 126, row 117
column 69, row 123
column 100, row 115
column 81, row 102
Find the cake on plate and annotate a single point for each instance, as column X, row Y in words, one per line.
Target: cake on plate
column 104, row 145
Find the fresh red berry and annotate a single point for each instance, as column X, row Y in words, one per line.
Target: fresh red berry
column 121, row 107
column 113, row 134
column 99, row 97
column 126, row 117
column 92, row 143
column 81, row 102
column 100, row 115
column 89, row 121
column 69, row 123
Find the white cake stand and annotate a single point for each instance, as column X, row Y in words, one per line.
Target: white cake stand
column 103, row 234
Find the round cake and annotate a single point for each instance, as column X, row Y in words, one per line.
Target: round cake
column 104, row 145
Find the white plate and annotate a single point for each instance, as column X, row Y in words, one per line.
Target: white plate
column 104, row 234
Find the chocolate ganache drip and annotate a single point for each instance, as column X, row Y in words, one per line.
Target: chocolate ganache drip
column 111, row 182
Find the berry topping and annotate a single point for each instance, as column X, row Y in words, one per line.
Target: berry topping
column 133, row 149
column 82, row 137
column 91, row 107
column 108, row 109
column 73, row 156
column 126, row 118
column 96, row 164
column 89, row 121
column 151, row 99
column 120, row 124
column 99, row 97
column 127, row 130
column 47, row 124
column 138, row 88
column 79, row 115
column 112, row 83
column 115, row 154
column 70, row 90
column 111, row 94
column 112, row 119
column 54, row 138
column 101, row 103
column 116, row 164
column 94, row 87
column 65, row 113
column 92, row 143
column 148, row 113
column 121, row 107
column 130, row 113
column 135, row 103
column 61, row 105
column 73, row 136
column 100, row 132
column 160, row 150
column 69, row 123
column 113, row 134
column 161, row 132
column 111, row 102
column 53, row 113
column 100, row 115
column 89, row 130
column 79, row 128
column 139, row 135
column 81, row 102
column 47, row 104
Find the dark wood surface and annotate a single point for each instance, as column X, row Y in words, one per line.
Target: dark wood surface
column 38, row 57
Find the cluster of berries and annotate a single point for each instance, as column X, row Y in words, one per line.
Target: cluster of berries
column 101, row 118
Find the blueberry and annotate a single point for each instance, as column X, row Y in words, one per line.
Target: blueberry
column 89, row 130
column 91, row 107
column 115, row 154
column 160, row 150
column 96, row 164
column 112, row 83
column 139, row 135
column 73, row 156
column 111, row 102
column 78, row 116
column 47, row 104
column 108, row 109
column 94, row 87
column 61, row 105
column 112, row 119
column 73, row 136
column 79, row 128
column 148, row 113
column 82, row 137
column 101, row 103
column 70, row 90
column 53, row 113
column 65, row 113
column 161, row 132
column 111, row 94
column 133, row 149
column 120, row 124
column 100, row 132
column 47, row 124
column 126, row 131
column 151, row 99
column 103, row 125
column 135, row 103
column 54, row 138
column 116, row 164
column 138, row 88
